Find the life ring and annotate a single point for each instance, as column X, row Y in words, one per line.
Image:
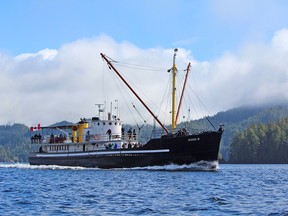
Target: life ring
column 74, row 127
column 96, row 137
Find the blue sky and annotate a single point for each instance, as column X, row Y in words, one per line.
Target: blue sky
column 207, row 28
column 50, row 49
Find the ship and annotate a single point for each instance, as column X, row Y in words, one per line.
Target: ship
column 102, row 142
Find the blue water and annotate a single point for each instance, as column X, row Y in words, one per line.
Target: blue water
column 231, row 190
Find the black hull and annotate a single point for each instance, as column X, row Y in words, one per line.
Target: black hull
column 162, row 151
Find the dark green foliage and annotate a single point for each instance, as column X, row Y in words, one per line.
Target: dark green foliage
column 261, row 143
column 239, row 119
column 14, row 141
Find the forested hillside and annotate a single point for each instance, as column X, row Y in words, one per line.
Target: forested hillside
column 244, row 129
column 261, row 143
column 13, row 143
column 239, row 119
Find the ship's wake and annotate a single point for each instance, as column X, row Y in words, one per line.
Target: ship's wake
column 198, row 166
column 50, row 167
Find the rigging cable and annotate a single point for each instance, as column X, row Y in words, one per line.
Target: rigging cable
column 143, row 67
column 139, row 113
column 119, row 84
column 203, row 105
column 124, row 96
column 145, row 122
column 165, row 95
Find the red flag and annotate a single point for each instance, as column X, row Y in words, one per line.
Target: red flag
column 35, row 128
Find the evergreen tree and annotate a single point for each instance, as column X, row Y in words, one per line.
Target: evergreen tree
column 262, row 143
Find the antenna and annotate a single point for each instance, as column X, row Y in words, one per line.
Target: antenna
column 100, row 109
column 116, row 107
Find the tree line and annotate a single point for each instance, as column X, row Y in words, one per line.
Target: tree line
column 261, row 143
column 14, row 141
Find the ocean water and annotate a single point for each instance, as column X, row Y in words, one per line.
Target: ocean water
column 172, row 190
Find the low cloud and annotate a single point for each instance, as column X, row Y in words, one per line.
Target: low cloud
column 65, row 84
column 257, row 74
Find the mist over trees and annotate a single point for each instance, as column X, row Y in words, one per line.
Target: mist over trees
column 239, row 119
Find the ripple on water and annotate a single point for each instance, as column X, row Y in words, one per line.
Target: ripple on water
column 230, row 190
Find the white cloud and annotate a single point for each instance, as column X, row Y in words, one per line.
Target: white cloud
column 45, row 54
column 280, row 41
column 54, row 85
column 256, row 74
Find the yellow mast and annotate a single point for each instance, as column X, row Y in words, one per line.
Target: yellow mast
column 174, row 70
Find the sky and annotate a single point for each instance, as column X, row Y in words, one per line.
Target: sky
column 51, row 69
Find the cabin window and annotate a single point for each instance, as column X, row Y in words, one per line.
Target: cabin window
column 103, row 123
column 98, row 123
column 110, row 123
column 115, row 123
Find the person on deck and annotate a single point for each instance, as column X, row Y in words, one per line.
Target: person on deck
column 87, row 138
column 109, row 133
column 129, row 133
column 39, row 137
column 51, row 138
column 134, row 134
column 122, row 133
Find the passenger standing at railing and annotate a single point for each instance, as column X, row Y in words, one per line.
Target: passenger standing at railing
column 61, row 138
column 51, row 138
column 87, row 136
column 122, row 133
column 134, row 134
column 129, row 133
column 34, row 139
column 39, row 138
column 109, row 133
